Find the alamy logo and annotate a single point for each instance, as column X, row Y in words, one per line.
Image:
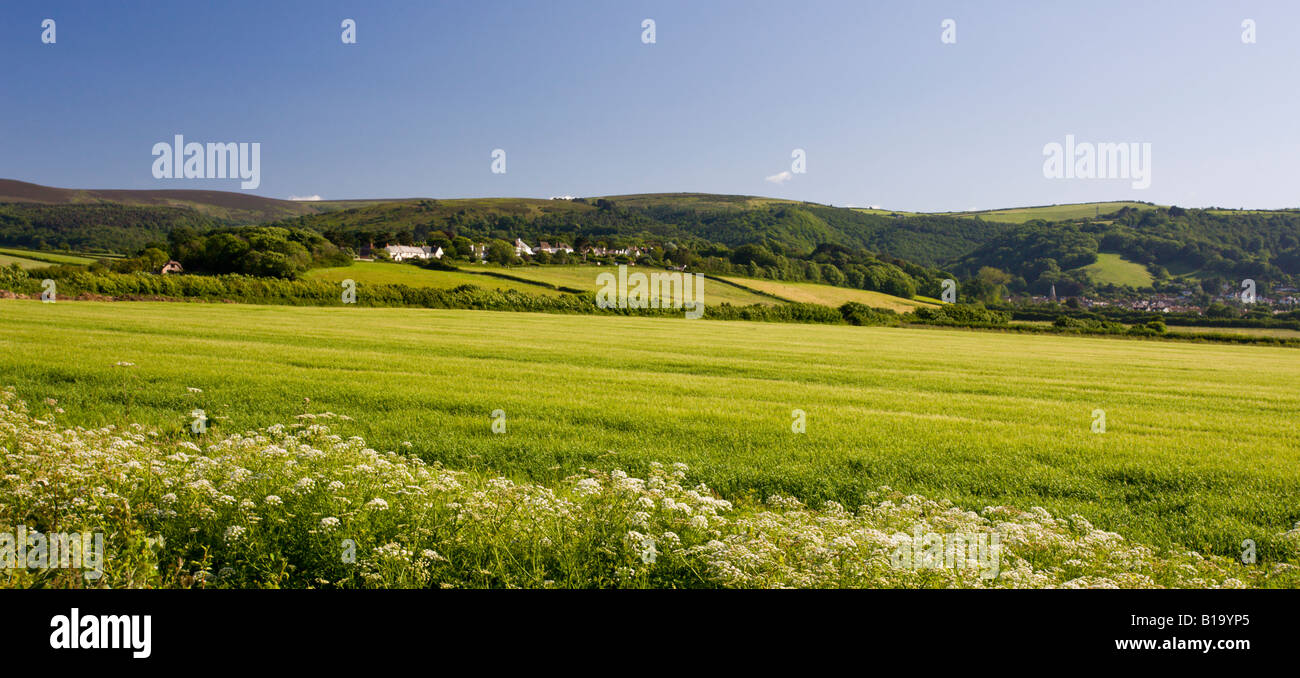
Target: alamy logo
column 55, row 551
column 180, row 160
column 658, row 290
column 103, row 632
column 1086, row 160
column 980, row 551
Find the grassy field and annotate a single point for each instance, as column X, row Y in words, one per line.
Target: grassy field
column 1020, row 215
column 584, row 278
column 47, row 257
column 1116, row 270
column 1282, row 333
column 1199, row 449
column 828, row 295
column 24, row 262
column 570, row 277
column 33, row 260
column 385, row 273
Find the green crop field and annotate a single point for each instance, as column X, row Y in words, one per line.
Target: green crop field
column 388, row 273
column 47, row 257
column 1199, row 448
column 23, row 262
column 30, row 260
column 1020, row 215
column 828, row 295
column 1116, row 270
column 584, row 278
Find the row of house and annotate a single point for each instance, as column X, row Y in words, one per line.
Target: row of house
column 524, row 249
column 402, row 252
column 409, row 252
column 603, row 252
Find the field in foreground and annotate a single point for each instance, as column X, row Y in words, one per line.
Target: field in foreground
column 1199, row 449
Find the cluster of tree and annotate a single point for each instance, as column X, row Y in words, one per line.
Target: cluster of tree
column 1034, row 258
column 267, row 251
column 827, row 264
column 969, row 315
column 1099, row 325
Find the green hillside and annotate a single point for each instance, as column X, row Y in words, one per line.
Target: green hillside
column 1113, row 269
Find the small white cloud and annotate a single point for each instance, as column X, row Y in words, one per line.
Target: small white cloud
column 304, row 197
column 779, row 178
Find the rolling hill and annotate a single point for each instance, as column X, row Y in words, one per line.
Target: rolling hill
column 226, row 206
column 1038, row 246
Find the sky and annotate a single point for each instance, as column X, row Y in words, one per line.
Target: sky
column 884, row 110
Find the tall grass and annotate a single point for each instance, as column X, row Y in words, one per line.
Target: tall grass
column 299, row 506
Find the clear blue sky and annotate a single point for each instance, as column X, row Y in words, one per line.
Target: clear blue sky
column 887, row 113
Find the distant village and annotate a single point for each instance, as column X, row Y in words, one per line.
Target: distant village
column 1185, row 301
column 1283, row 299
column 522, row 249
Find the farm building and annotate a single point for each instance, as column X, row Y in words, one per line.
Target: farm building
column 406, row 252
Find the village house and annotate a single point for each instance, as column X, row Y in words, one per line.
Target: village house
column 632, row 251
column 548, row 248
column 522, row 248
column 407, row 252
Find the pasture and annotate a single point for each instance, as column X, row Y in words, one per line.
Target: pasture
column 23, row 262
column 1116, row 270
column 584, row 278
column 387, row 273
column 829, row 295
column 1199, row 449
column 28, row 259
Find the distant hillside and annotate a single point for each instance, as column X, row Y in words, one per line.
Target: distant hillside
column 692, row 219
column 1215, row 247
column 97, row 227
column 226, row 206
